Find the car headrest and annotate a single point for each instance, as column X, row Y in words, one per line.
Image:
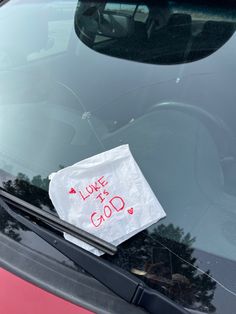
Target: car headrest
column 180, row 19
column 218, row 28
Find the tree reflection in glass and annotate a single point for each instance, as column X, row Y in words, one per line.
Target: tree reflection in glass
column 168, row 266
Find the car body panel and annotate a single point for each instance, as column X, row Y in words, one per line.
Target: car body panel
column 20, row 296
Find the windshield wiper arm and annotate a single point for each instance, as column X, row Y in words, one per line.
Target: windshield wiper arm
column 58, row 223
column 119, row 281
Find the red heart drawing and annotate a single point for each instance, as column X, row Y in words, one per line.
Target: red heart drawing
column 130, row 211
column 72, row 191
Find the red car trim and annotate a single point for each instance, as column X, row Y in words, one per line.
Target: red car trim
column 18, row 296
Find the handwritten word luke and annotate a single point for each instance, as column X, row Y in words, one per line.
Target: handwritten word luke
column 93, row 188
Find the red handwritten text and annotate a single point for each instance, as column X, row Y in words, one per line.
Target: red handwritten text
column 90, row 189
column 109, row 205
column 116, row 203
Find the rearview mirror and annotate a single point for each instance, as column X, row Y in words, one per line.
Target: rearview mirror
column 160, row 32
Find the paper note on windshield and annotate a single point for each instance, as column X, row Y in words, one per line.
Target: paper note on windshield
column 106, row 195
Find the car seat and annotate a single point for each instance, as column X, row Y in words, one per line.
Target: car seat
column 214, row 35
column 169, row 43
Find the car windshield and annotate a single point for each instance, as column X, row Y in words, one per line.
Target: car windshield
column 79, row 78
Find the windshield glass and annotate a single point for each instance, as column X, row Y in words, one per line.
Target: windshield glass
column 70, row 88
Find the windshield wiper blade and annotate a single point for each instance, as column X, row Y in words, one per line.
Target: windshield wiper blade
column 58, row 223
column 124, row 284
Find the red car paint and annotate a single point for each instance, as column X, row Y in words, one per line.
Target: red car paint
column 18, row 296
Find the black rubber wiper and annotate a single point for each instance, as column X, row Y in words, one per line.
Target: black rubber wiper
column 119, row 281
column 58, row 223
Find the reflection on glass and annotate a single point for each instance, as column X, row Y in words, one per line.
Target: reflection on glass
column 168, row 266
column 32, row 191
column 10, row 227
